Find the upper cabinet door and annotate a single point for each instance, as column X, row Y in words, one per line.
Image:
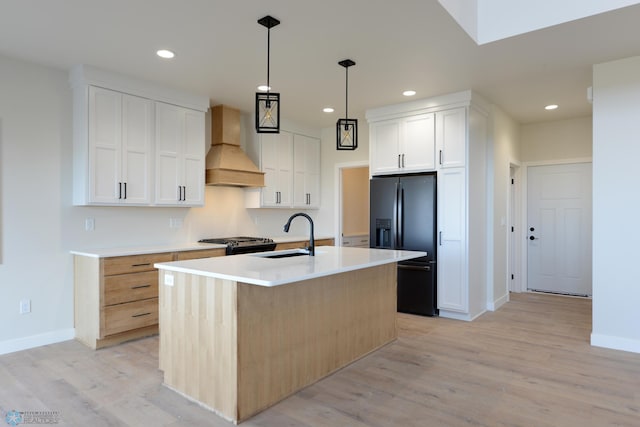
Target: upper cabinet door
column 169, row 131
column 385, row 146
column 306, row 172
column 137, row 137
column 451, row 137
column 418, row 143
column 120, row 134
column 105, row 145
column 193, row 158
column 276, row 151
column 180, row 155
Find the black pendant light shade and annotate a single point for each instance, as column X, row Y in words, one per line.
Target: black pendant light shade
column 347, row 129
column 267, row 112
column 268, row 103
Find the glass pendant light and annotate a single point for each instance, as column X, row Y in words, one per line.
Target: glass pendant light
column 268, row 103
column 347, row 129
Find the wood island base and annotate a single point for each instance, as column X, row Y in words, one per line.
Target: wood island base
column 239, row 348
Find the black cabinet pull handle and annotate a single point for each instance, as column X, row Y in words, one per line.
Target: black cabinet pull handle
column 125, row 190
column 119, row 190
column 141, row 314
column 141, row 265
column 140, row 286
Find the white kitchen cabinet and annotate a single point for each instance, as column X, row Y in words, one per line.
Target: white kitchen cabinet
column 116, row 124
column 306, row 172
column 451, row 137
column 462, row 220
column 403, row 145
column 452, row 225
column 276, row 161
column 119, row 136
column 459, row 125
column 291, row 165
column 180, row 154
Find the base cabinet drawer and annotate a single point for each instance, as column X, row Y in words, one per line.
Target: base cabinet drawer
column 116, row 298
column 130, row 287
column 132, row 315
column 134, row 263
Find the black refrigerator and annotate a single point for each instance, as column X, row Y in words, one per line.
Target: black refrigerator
column 403, row 216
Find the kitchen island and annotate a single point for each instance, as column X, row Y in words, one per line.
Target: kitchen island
column 240, row 333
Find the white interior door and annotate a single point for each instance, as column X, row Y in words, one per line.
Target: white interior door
column 559, row 228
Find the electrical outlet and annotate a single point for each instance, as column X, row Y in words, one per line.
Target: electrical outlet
column 168, row 279
column 25, row 306
column 89, row 224
column 175, row 222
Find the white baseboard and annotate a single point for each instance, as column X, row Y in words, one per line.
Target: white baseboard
column 493, row 306
column 615, row 343
column 459, row 316
column 24, row 343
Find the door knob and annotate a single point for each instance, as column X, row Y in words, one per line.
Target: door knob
column 532, row 238
column 532, row 229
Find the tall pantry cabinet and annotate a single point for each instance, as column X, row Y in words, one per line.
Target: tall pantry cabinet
column 458, row 143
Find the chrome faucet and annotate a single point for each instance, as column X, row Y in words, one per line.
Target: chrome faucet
column 312, row 244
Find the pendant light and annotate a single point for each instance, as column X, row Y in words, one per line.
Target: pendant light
column 268, row 103
column 347, row 129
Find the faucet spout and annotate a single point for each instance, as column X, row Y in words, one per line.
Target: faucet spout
column 312, row 244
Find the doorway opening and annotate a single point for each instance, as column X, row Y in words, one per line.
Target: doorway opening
column 352, row 204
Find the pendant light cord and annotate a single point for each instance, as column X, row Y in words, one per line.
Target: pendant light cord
column 346, row 96
column 268, row 58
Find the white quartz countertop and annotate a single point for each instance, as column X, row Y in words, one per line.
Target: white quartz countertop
column 152, row 249
column 258, row 270
column 141, row 250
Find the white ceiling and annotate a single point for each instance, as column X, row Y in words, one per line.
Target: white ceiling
column 397, row 45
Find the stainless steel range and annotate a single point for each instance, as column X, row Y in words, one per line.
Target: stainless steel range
column 243, row 245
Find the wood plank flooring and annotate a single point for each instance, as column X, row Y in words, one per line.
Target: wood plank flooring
column 528, row 364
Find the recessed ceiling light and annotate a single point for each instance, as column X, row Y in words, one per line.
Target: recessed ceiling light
column 166, row 54
column 328, row 110
column 264, row 88
column 409, row 92
column 551, row 107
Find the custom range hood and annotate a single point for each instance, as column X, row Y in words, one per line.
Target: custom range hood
column 227, row 164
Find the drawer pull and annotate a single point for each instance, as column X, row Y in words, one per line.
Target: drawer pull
column 140, row 286
column 141, row 265
column 140, row 315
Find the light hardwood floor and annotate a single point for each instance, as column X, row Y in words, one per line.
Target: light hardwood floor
column 528, row 364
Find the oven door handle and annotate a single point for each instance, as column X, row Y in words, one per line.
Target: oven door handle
column 414, row 267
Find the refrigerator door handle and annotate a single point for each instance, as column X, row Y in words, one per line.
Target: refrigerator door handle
column 396, row 201
column 400, row 217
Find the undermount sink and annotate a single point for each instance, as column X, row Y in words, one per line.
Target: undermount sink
column 282, row 254
column 286, row 255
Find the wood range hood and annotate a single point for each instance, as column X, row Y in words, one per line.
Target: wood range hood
column 227, row 164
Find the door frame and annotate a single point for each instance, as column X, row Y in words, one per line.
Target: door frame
column 514, row 219
column 339, row 167
column 524, row 209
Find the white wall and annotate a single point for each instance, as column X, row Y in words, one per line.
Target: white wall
column 506, row 150
column 616, row 204
column 39, row 225
column 556, row 140
column 326, row 216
